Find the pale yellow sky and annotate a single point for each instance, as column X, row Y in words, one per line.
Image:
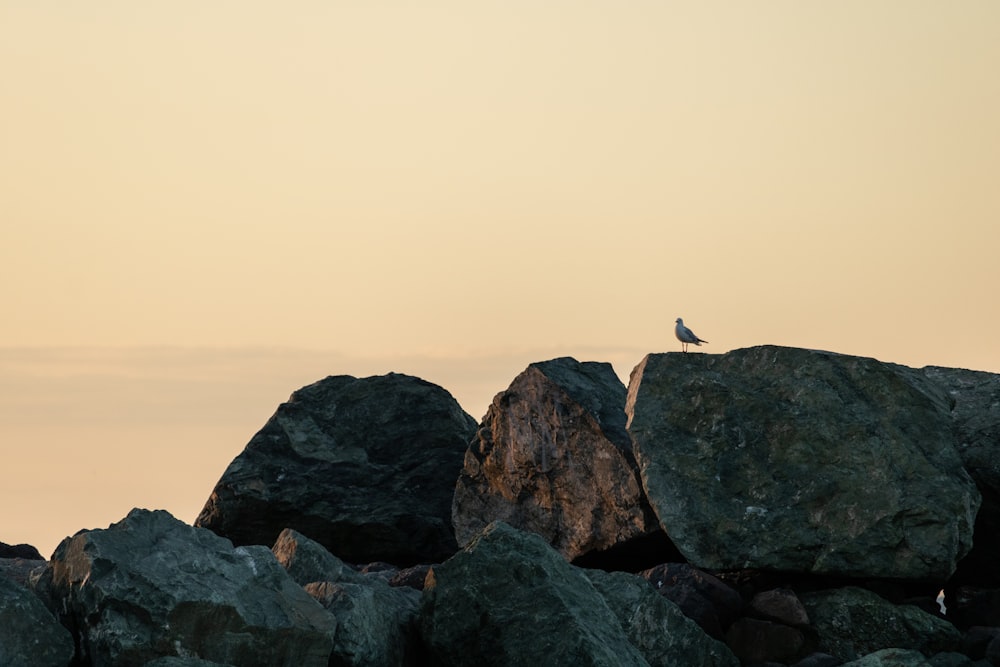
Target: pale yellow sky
column 220, row 202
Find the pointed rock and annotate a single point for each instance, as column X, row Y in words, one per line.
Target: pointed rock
column 552, row 457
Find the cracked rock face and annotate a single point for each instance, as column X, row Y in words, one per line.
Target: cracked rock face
column 801, row 461
column 552, row 457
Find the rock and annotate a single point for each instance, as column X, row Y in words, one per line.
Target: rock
column 891, row 657
column 307, row 561
column 818, row 660
column 411, row 577
column 756, row 641
column 801, row 461
column 19, row 570
column 366, row 467
column 977, row 639
column 376, row 624
column 183, row 662
column 30, row 636
column 852, row 622
column 151, row 586
column 655, row 625
column 976, row 416
column 950, row 659
column 703, row 598
column 552, row 457
column 508, row 598
column 781, row 605
column 24, row 551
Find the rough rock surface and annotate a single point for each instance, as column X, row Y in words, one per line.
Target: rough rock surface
column 151, row 586
column 366, row 467
column 552, row 457
column 509, row 599
column 853, row 622
column 794, row 460
column 891, row 657
column 655, row 625
column 376, row 624
column 30, row 636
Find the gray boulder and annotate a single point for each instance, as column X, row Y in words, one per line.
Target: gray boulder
column 376, row 624
column 151, row 586
column 656, row 626
column 801, row 461
column 30, row 636
column 552, row 457
column 853, row 622
column 366, row 467
column 509, row 599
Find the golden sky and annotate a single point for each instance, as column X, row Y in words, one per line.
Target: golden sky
column 206, row 205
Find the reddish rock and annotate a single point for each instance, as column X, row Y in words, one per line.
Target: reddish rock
column 705, row 599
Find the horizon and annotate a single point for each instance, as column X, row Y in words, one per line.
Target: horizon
column 207, row 206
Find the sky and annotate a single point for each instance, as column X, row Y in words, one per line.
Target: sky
column 207, row 205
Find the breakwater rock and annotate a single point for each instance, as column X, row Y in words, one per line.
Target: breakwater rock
column 767, row 506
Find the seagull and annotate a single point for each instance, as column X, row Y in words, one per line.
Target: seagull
column 685, row 335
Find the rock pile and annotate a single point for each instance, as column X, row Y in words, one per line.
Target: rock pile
column 778, row 507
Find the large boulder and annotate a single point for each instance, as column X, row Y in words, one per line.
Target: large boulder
column 795, row 460
column 509, row 599
column 151, row 586
column 853, row 622
column 30, row 636
column 552, row 457
column 976, row 415
column 366, row 467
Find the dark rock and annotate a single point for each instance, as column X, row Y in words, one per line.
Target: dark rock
column 19, row 570
column 891, row 657
column 30, row 636
column 780, row 605
column 411, row 577
column 366, row 467
column 655, row 625
column 970, row 606
column 852, row 622
column 151, row 586
column 376, row 624
column 993, row 651
column 801, row 461
column 306, row 560
column 976, row 415
column 755, row 641
column 173, row 661
column 976, row 639
column 25, row 551
column 950, row 659
column 552, row 457
column 508, row 598
column 703, row 598
column 818, row 660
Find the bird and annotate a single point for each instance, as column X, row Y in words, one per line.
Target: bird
column 685, row 335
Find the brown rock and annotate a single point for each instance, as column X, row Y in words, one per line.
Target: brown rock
column 552, row 457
